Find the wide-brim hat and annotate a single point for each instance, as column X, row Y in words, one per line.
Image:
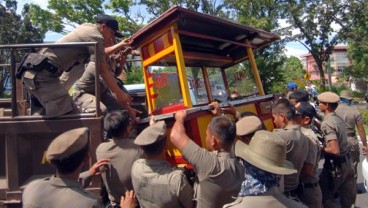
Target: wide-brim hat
column 266, row 151
column 346, row 94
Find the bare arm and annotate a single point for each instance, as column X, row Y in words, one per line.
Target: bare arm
column 307, row 170
column 123, row 98
column 112, row 49
column 178, row 136
column 363, row 137
column 332, row 148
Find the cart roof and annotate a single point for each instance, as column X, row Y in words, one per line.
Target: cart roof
column 207, row 40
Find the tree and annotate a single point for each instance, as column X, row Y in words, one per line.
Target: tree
column 315, row 20
column 62, row 15
column 15, row 28
column 263, row 14
column 358, row 39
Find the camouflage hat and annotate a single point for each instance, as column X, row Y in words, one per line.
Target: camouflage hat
column 151, row 134
column 266, row 151
column 67, row 144
column 328, row 97
column 247, row 125
column 346, row 94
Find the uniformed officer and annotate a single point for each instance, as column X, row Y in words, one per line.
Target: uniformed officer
column 156, row 182
column 352, row 117
column 264, row 161
column 283, row 113
column 67, row 153
column 311, row 195
column 337, row 175
column 42, row 80
column 121, row 151
column 219, row 173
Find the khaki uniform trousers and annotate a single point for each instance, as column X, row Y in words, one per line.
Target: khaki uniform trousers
column 87, row 102
column 342, row 183
column 354, row 154
column 53, row 97
column 312, row 196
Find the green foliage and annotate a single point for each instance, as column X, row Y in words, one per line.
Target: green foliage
column 262, row 14
column 15, row 28
column 61, row 13
column 365, row 117
column 358, row 38
column 292, row 70
column 315, row 20
column 134, row 76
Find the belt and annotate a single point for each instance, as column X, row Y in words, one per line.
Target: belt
column 341, row 158
column 291, row 193
column 350, row 134
column 311, row 185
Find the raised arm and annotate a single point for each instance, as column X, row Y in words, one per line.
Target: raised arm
column 112, row 49
column 178, row 136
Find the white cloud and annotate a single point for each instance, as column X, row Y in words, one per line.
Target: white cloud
column 297, row 52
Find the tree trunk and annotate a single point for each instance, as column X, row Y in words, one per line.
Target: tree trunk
column 322, row 75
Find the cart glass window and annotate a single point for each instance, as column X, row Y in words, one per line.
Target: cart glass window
column 217, row 84
column 164, row 87
column 241, row 81
column 197, row 87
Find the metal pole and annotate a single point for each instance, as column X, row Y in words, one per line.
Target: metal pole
column 329, row 74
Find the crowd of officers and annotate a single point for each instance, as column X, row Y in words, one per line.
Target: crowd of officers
column 242, row 165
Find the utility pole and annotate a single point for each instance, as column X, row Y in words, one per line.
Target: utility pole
column 329, row 73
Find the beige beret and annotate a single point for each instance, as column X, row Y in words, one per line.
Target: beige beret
column 152, row 134
column 247, row 125
column 328, row 97
column 67, row 143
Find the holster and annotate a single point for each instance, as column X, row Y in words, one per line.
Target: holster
column 34, row 62
column 333, row 165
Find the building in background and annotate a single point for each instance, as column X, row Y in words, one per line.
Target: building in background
column 338, row 62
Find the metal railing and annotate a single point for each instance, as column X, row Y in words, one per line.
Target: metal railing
column 14, row 47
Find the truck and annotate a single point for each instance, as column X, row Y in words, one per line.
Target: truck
column 186, row 58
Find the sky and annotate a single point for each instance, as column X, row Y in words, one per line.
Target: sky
column 291, row 49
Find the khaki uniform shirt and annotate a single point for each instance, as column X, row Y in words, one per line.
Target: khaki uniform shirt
column 117, row 177
column 333, row 127
column 158, row 184
column 297, row 149
column 67, row 58
column 219, row 175
column 56, row 192
column 272, row 198
column 86, row 82
column 314, row 153
column 350, row 115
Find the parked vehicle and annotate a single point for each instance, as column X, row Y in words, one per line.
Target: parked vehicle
column 365, row 173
